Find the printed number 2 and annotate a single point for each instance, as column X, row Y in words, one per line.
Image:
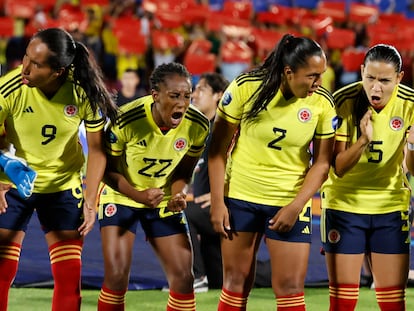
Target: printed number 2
column 281, row 133
column 48, row 132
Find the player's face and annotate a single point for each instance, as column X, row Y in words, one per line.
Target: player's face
column 171, row 101
column 305, row 80
column 204, row 98
column 36, row 72
column 379, row 80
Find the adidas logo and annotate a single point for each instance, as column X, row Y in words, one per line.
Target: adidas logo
column 29, row 109
column 142, row 143
column 306, row 230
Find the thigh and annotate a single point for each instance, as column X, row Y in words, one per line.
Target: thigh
column 390, row 270
column 117, row 247
column 289, row 261
column 174, row 252
column 344, row 268
column 239, row 252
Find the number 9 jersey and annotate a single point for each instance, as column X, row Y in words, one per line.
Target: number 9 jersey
column 44, row 131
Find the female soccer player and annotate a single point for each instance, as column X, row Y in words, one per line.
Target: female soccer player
column 366, row 198
column 42, row 104
column 153, row 148
column 261, row 175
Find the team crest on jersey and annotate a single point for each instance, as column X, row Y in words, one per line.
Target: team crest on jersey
column 110, row 210
column 396, row 123
column 180, row 144
column 111, row 137
column 336, row 122
column 334, row 236
column 227, row 98
column 304, row 115
column 70, row 110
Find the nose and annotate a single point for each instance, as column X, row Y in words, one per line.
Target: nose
column 26, row 65
column 376, row 86
column 317, row 82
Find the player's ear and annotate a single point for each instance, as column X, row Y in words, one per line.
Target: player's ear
column 59, row 72
column 154, row 94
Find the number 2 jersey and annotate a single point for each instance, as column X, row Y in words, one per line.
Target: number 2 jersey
column 271, row 156
column 44, row 131
column 150, row 157
column 377, row 183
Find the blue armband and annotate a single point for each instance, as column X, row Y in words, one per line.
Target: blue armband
column 19, row 173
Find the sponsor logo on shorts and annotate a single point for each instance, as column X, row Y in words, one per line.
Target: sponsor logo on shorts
column 334, row 236
column 110, row 210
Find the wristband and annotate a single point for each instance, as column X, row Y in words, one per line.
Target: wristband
column 410, row 146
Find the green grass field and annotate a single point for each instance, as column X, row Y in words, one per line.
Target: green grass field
column 261, row 299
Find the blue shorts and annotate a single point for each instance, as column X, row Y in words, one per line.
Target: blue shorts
column 153, row 224
column 349, row 233
column 56, row 211
column 252, row 217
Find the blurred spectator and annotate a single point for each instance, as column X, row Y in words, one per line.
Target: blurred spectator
column 130, row 87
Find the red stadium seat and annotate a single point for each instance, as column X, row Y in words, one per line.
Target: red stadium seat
column 338, row 38
column 20, row 8
column 239, row 9
column 352, row 59
column 6, row 27
column 363, row 13
column 163, row 40
column 335, row 10
column 197, row 64
column 265, row 40
column 200, row 46
column 101, row 3
column 71, row 17
column 236, row 51
column 127, row 30
column 231, row 27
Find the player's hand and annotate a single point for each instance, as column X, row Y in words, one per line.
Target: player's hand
column 366, row 127
column 285, row 218
column 177, row 203
column 204, row 200
column 89, row 217
column 151, row 197
column 3, row 203
column 220, row 219
column 19, row 173
column 410, row 137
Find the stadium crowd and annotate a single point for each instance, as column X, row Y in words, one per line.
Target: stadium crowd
column 224, row 36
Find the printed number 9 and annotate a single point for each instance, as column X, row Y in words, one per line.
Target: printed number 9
column 49, row 132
